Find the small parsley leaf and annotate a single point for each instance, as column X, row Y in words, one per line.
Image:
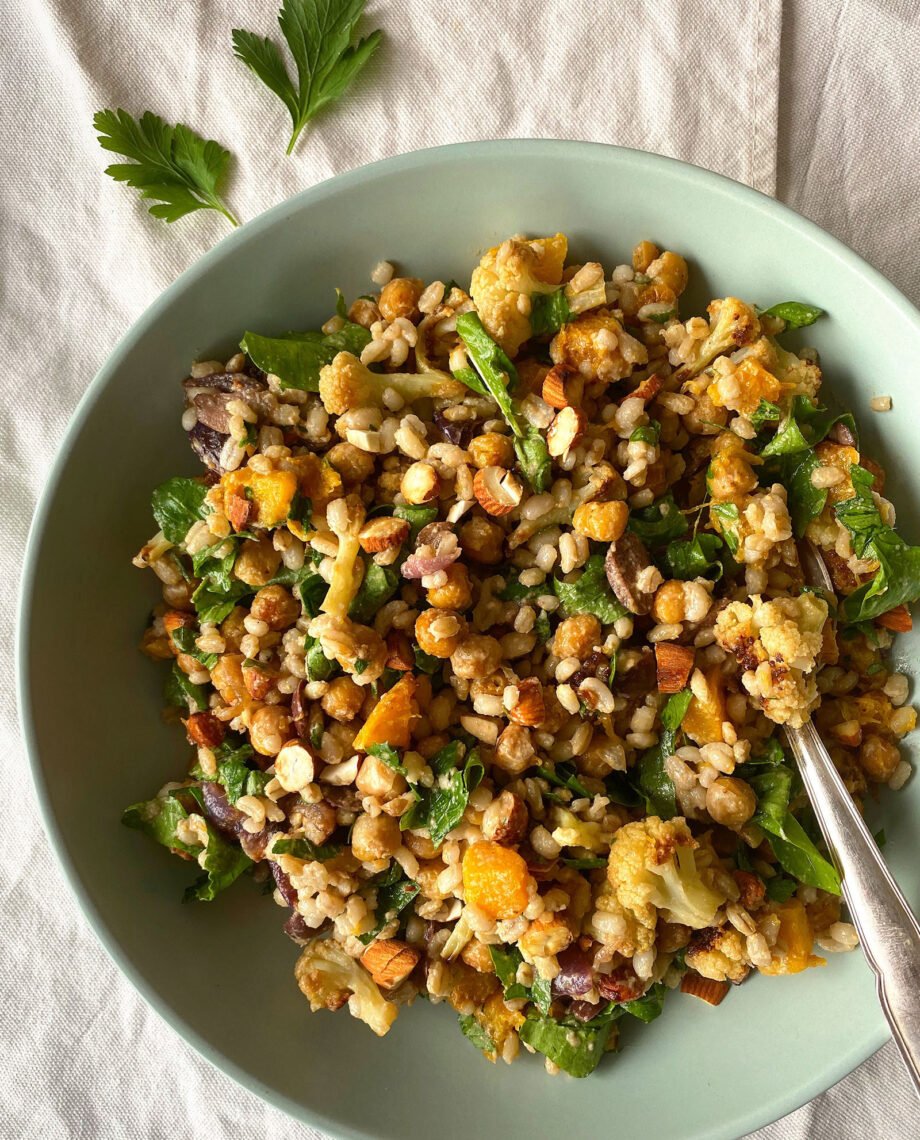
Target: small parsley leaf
column 318, row 34
column 172, row 166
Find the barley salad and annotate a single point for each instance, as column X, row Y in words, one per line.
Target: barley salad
column 483, row 620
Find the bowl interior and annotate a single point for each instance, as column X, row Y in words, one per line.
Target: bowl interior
column 222, row 973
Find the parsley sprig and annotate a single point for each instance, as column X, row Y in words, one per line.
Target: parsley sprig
column 172, row 166
column 318, row 33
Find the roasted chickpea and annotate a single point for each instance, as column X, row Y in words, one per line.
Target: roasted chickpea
column 514, row 751
column 505, row 820
column 388, row 485
column 276, row 607
column 257, row 562
column 668, row 606
column 420, row 483
column 643, row 255
column 456, row 593
column 432, row 745
column 478, row 656
column 439, row 632
column 577, row 636
column 482, row 541
column 259, row 681
column 378, row 779
column 491, row 449
column 364, row 312
column 878, row 757
column 375, row 837
column 420, row 845
column 399, row 298
column 730, row 802
column 157, row 646
column 269, row 729
column 343, row 699
column 354, row 465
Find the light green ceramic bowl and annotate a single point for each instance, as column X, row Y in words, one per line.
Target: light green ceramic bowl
column 222, row 974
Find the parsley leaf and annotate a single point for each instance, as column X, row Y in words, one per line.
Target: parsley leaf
column 650, row 776
column 171, row 166
column 178, row 504
column 474, row 1032
column 549, row 312
column 318, row 34
column 577, row 1047
column 660, row 522
column 306, row 849
column 591, row 594
column 395, row 890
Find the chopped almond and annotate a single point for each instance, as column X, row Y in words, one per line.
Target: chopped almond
column 898, row 620
column 530, row 709
column 389, row 961
column 560, row 384
column 497, row 490
column 399, row 649
column 705, row 988
column 565, row 431
column 674, row 665
column 649, row 388
column 383, row 534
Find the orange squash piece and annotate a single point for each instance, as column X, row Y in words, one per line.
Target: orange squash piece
column 496, row 880
column 792, row 952
column 703, row 720
column 756, row 384
column 271, row 494
column 390, row 721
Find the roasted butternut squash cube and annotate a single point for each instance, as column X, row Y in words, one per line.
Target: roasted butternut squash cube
column 703, row 720
column 390, row 721
column 271, row 494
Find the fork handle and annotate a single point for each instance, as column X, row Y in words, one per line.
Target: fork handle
column 888, row 930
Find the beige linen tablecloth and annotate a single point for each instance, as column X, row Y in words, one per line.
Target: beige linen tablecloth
column 817, row 101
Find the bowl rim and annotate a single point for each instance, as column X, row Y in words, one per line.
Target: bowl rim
column 549, row 150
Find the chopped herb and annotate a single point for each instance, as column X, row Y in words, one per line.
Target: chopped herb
column 660, row 522
column 897, row 580
column 184, row 637
column 388, row 754
column 650, row 1005
column 318, row 665
column 182, row 694
column 650, row 776
column 304, row 849
column 319, row 36
column 440, row 809
column 648, row 433
column 360, row 666
column 380, row 583
column 475, row 1033
column 172, row 166
column 549, row 312
column 542, row 627
column 765, row 412
column 563, row 776
column 590, row 863
column 591, row 594
column 177, row 505
column 806, row 424
column 694, row 558
column 426, row 662
column 727, row 514
column 395, row 890
column 780, row 889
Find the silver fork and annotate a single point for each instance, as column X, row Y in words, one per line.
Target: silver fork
column 888, row 930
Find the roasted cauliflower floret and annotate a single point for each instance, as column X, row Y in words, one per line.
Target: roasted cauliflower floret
column 329, row 978
column 799, row 377
column 776, row 644
column 347, row 383
column 742, row 388
column 598, row 347
column 505, row 279
column 732, row 324
column 718, row 952
column 652, row 868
